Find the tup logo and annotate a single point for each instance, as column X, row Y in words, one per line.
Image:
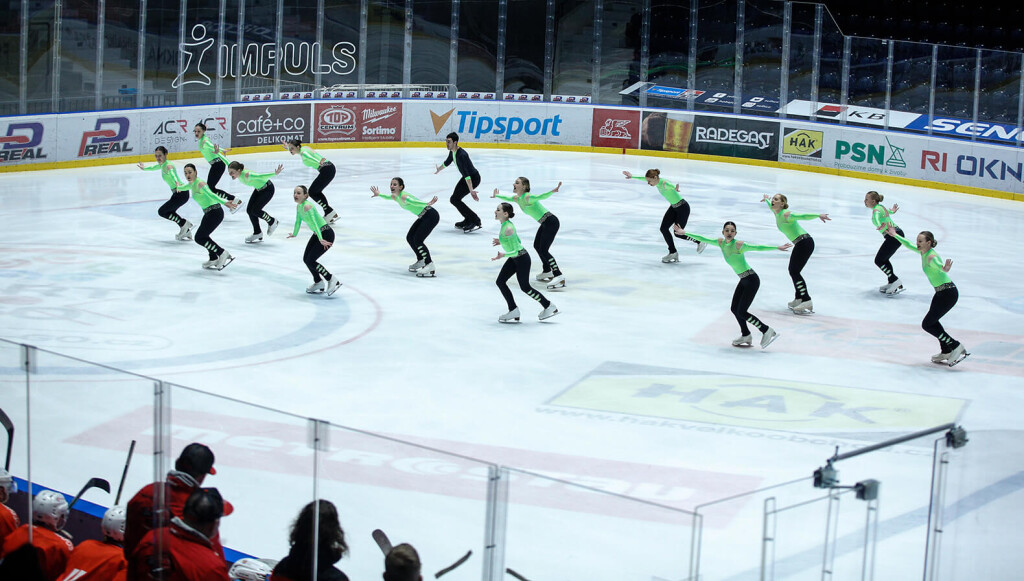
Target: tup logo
column 109, row 136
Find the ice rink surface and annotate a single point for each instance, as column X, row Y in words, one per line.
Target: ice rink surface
column 634, row 387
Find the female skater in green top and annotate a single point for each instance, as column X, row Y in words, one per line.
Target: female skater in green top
column 214, row 155
column 677, row 214
column 549, row 224
column 803, row 246
column 426, row 219
column 732, row 251
column 179, row 193
column 325, row 173
column 319, row 242
column 518, row 263
column 262, row 192
column 946, row 294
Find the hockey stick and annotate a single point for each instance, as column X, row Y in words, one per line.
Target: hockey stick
column 516, row 575
column 449, row 568
column 120, row 487
column 9, row 426
column 382, row 541
column 93, row 483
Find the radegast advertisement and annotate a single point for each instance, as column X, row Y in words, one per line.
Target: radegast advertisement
column 732, row 137
column 666, row 131
column 269, row 124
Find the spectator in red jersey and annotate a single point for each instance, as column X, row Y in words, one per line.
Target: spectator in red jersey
column 190, row 469
column 47, row 555
column 299, row 565
column 8, row 518
column 94, row 560
column 188, row 551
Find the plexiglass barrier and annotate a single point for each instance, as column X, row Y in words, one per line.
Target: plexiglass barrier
column 887, row 514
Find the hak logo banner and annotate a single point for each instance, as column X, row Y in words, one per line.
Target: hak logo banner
column 110, row 136
column 22, row 142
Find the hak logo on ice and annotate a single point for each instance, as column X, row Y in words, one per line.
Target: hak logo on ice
column 22, row 142
column 105, row 139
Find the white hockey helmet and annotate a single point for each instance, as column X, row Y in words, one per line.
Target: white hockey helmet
column 50, row 508
column 7, row 486
column 113, row 522
column 250, row 570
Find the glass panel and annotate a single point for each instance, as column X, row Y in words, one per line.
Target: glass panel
column 716, row 48
column 620, row 52
column 954, row 85
column 250, row 445
column 433, row 500
column 120, row 54
column 911, row 77
column 524, row 45
column 202, row 29
column 798, row 533
column 10, row 49
column 762, row 50
column 40, row 56
column 14, row 387
column 83, row 420
column 78, row 55
column 830, row 84
column 560, row 529
column 574, row 45
column 161, row 62
column 385, row 39
column 1000, row 87
column 478, row 46
column 298, row 45
column 341, row 41
column 670, row 49
column 868, row 64
column 431, row 41
column 259, row 38
column 801, row 52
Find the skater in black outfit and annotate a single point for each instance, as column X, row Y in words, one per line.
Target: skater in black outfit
column 467, row 185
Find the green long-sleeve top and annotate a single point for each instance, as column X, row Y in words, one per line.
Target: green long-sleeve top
column 254, row 180
column 203, row 195
column 406, row 201
column 307, row 212
column 210, row 154
column 529, row 203
column 788, row 225
column 509, row 239
column 931, row 263
column 310, row 158
column 881, row 218
column 169, row 174
column 733, row 255
column 668, row 190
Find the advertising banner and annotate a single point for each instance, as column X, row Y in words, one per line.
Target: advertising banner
column 801, row 145
column 269, row 124
column 997, row 132
column 616, row 128
column 735, row 137
column 974, row 164
column 715, row 98
column 498, row 122
column 852, row 113
column 104, row 134
column 871, row 151
column 351, row 122
column 173, row 128
column 665, row 131
column 28, row 140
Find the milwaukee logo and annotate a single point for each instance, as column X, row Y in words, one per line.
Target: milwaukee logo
column 372, row 115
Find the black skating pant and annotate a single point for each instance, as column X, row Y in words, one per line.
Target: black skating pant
column 316, row 189
column 942, row 302
column 314, row 250
column 742, row 298
column 675, row 215
column 461, row 191
column 418, row 232
column 542, row 244
column 217, row 169
column 885, row 252
column 257, row 201
column 797, row 260
column 211, row 219
column 519, row 266
column 169, row 211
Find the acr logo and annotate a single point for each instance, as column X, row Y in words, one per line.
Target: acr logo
column 872, row 154
column 337, row 121
column 169, row 127
column 970, row 165
column 103, row 139
column 802, row 142
column 22, row 142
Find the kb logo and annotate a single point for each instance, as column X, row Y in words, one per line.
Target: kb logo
column 106, row 139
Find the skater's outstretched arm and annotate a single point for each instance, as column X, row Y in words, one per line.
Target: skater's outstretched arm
column 530, row 198
column 907, row 243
